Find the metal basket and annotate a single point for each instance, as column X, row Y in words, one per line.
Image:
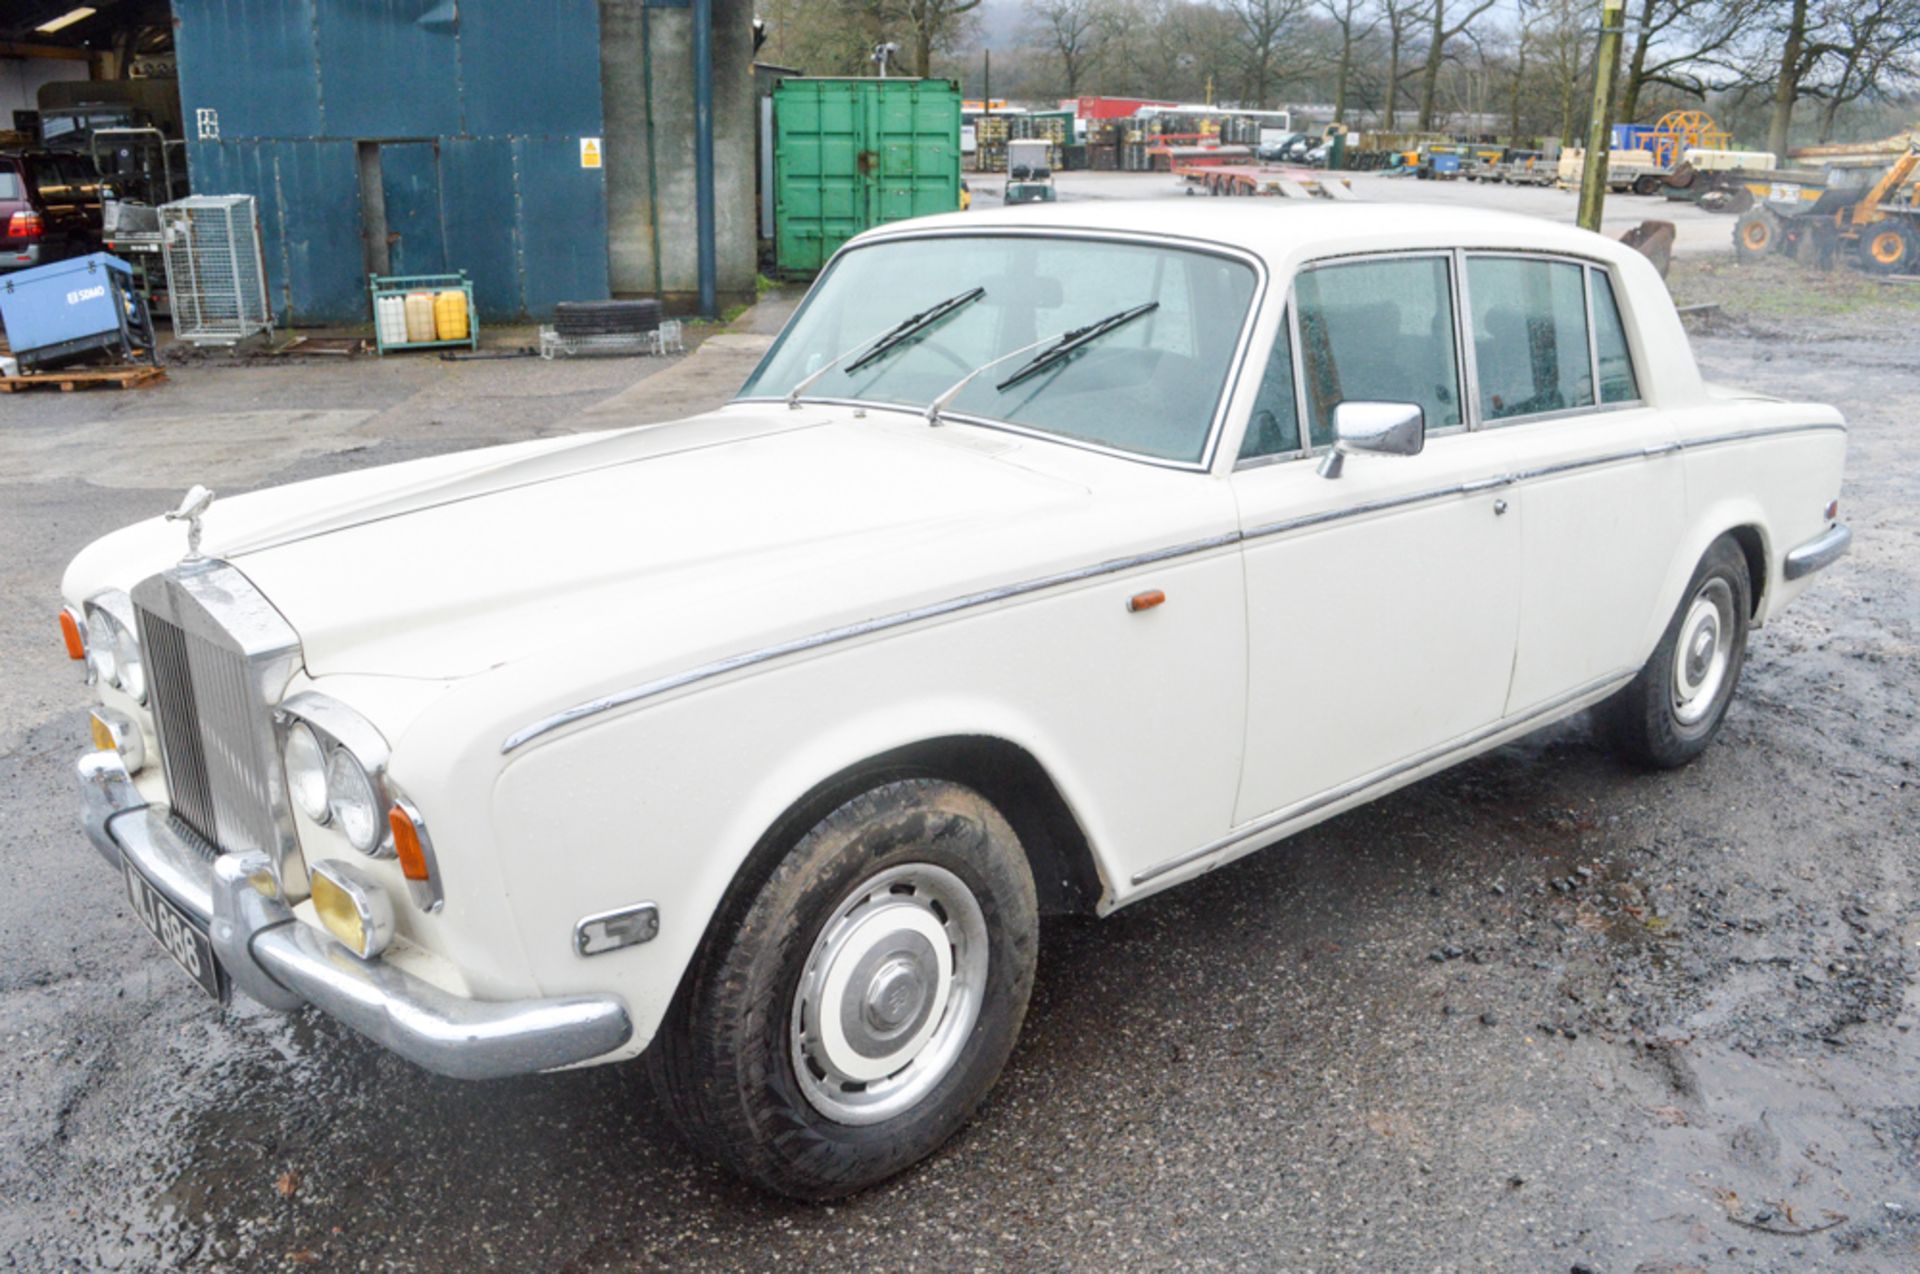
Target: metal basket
column 216, row 276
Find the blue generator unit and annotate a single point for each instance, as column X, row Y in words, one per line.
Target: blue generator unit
column 65, row 311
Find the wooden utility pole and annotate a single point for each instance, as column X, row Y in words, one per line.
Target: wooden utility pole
column 1606, row 62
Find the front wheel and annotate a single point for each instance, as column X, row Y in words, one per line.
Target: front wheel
column 1668, row 714
column 842, row 1022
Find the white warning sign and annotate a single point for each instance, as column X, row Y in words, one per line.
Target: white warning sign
column 590, row 152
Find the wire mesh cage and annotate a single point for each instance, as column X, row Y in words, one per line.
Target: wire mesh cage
column 216, row 278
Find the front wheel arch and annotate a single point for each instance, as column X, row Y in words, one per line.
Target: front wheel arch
column 1066, row 874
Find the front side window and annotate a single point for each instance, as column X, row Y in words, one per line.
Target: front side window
column 1378, row 331
column 1617, row 384
column 1530, row 348
column 1149, row 386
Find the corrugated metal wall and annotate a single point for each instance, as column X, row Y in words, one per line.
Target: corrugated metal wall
column 478, row 111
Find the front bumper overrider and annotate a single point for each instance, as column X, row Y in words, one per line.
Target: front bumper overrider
column 284, row 963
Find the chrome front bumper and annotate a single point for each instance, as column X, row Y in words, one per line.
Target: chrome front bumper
column 284, row 963
column 1820, row 552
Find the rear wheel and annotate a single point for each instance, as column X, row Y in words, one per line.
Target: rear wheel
column 1669, row 713
column 1647, row 184
column 842, row 1022
column 1756, row 234
column 1889, row 248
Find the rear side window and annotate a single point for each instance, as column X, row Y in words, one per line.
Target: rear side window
column 1617, row 383
column 1530, row 348
column 1378, row 331
column 9, row 184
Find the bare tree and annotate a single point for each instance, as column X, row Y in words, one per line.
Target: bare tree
column 1072, row 32
column 1673, row 46
column 1871, row 50
column 1404, row 18
column 1265, row 26
column 1440, row 34
column 1354, row 23
column 932, row 23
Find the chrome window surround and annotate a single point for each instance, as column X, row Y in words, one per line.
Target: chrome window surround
column 339, row 726
column 1463, row 347
column 901, row 619
column 209, row 601
column 1236, row 365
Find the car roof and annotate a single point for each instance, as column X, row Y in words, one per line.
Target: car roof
column 1283, row 231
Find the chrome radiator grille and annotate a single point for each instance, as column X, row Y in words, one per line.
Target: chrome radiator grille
column 218, row 658
column 206, row 718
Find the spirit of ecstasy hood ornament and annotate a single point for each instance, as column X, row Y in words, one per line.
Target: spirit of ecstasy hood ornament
column 190, row 509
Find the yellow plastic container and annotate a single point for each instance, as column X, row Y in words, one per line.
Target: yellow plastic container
column 419, row 317
column 450, row 315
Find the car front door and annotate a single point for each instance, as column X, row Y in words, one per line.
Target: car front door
column 1382, row 605
column 1596, row 467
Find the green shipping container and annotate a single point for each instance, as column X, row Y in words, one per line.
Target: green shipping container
column 853, row 153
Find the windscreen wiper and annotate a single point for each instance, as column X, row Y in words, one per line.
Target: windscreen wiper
column 871, row 349
column 1076, row 339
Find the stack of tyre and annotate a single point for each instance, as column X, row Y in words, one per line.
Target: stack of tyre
column 606, row 318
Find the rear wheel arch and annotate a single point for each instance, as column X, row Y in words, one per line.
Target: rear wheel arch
column 1753, row 546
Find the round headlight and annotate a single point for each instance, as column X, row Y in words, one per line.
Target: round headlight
column 103, row 642
column 306, row 771
column 130, row 671
column 351, row 802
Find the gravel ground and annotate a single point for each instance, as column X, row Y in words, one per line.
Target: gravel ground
column 1538, row 1013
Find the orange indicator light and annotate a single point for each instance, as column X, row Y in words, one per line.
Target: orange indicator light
column 1145, row 601
column 70, row 630
column 406, row 845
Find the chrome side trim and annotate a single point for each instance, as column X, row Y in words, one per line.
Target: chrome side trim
column 1312, row 804
column 1770, row 431
column 813, row 641
column 1819, row 553
column 846, row 632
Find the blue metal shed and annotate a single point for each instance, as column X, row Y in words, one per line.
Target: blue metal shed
column 407, row 137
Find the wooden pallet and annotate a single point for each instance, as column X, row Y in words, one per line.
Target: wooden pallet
column 85, row 378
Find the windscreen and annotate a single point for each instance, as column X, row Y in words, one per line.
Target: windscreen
column 1148, row 385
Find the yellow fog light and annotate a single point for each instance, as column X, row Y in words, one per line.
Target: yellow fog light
column 353, row 907
column 117, row 732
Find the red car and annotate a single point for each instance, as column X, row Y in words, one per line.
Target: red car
column 49, row 208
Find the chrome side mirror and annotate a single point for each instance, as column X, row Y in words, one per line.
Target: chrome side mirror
column 1384, row 429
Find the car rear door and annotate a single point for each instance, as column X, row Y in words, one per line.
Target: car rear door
column 1382, row 605
column 1597, row 468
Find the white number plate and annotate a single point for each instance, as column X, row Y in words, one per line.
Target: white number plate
column 177, row 934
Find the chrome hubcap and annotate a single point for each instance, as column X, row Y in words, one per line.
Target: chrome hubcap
column 890, row 993
column 1704, row 652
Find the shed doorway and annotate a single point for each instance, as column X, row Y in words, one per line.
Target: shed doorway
column 402, row 223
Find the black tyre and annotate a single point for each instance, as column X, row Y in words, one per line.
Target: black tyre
column 605, row 318
column 1647, row 184
column 1669, row 713
column 846, row 1016
column 1889, row 247
column 1757, row 234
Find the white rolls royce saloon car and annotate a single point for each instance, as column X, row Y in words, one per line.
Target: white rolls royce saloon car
column 1049, row 558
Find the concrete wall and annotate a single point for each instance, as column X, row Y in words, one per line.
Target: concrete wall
column 638, row 44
